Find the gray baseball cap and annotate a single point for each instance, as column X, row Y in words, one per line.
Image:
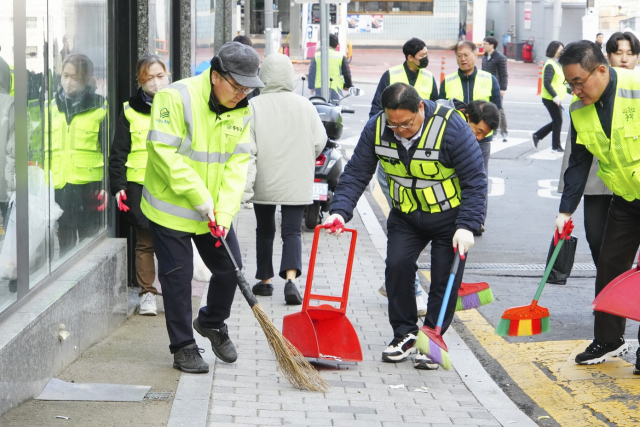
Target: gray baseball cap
column 241, row 62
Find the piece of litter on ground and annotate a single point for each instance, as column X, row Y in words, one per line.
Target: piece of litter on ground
column 65, row 391
column 397, row 386
column 422, row 389
column 544, row 417
column 62, row 418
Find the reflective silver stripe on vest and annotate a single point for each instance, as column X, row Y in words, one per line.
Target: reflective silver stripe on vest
column 126, row 107
column 426, row 155
column 441, row 197
column 246, row 120
column 170, row 209
column 576, row 105
column 434, row 131
column 398, row 71
column 391, row 153
column 421, row 184
column 165, row 138
column 206, row 157
column 383, row 123
column 183, row 90
column 629, row 93
column 452, row 78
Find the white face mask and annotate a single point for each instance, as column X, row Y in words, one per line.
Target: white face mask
column 71, row 86
column 155, row 85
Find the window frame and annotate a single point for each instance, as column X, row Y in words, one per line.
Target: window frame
column 387, row 11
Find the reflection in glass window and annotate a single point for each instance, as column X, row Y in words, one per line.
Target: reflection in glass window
column 76, row 124
column 8, row 248
column 203, row 44
column 160, row 30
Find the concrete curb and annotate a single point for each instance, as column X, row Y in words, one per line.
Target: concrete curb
column 470, row 370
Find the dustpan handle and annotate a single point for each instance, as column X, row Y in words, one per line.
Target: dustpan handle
column 566, row 235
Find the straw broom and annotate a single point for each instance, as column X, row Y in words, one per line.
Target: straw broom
column 291, row 363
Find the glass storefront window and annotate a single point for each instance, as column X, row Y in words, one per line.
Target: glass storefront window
column 203, row 43
column 424, row 6
column 8, row 247
column 77, row 126
column 160, row 30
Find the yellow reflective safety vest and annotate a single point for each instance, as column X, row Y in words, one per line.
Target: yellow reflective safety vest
column 557, row 83
column 137, row 158
column 75, row 154
column 424, row 82
column 194, row 155
column 335, row 70
column 619, row 157
column 34, row 129
column 481, row 88
column 428, row 185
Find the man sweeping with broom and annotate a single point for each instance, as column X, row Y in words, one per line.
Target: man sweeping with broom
column 198, row 147
column 438, row 186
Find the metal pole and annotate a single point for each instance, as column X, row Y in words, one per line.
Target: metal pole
column 268, row 14
column 512, row 20
column 295, row 32
column 324, row 48
column 222, row 32
column 21, row 145
column 557, row 19
column 247, row 18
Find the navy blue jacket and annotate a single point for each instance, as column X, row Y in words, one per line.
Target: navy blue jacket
column 459, row 151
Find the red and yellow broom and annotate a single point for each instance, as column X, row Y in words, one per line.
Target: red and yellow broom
column 533, row 319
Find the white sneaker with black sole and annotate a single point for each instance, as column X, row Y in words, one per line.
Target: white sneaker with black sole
column 598, row 352
column 148, row 305
column 399, row 349
column 422, row 361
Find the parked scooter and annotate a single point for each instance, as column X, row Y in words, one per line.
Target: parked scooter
column 330, row 163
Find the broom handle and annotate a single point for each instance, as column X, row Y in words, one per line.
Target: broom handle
column 242, row 282
column 547, row 271
column 447, row 292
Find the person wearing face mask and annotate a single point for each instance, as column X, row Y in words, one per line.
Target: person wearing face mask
column 470, row 84
column 622, row 51
column 75, row 159
column 413, row 71
column 604, row 124
column 438, row 187
column 198, row 155
column 127, row 165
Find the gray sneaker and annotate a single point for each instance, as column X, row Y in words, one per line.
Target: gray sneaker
column 220, row 342
column 188, row 359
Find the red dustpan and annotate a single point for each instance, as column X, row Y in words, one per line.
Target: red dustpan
column 323, row 331
column 622, row 296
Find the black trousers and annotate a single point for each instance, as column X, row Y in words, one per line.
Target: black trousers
column 291, row 240
column 80, row 218
column 596, row 210
column 175, row 271
column 485, row 147
column 555, row 125
column 407, row 236
column 619, row 246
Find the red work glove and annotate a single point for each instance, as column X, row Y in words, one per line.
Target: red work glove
column 121, row 196
column 102, row 195
column 566, row 232
column 217, row 231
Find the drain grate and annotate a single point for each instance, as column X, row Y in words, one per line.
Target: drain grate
column 499, row 266
column 159, row 397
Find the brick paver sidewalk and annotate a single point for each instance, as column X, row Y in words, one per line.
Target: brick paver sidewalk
column 251, row 393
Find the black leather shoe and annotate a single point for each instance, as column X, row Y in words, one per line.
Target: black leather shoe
column 636, row 369
column 220, row 342
column 262, row 289
column 188, row 359
column 291, row 294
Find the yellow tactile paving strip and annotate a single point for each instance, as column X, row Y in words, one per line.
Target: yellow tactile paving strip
column 610, row 389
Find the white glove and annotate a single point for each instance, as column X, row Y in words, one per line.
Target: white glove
column 560, row 220
column 206, row 209
column 337, row 231
column 463, row 240
column 557, row 100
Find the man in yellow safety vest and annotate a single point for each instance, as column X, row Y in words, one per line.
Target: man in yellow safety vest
column 604, row 123
column 412, row 72
column 198, row 153
column 339, row 71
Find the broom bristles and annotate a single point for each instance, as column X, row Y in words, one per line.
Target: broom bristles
column 291, row 363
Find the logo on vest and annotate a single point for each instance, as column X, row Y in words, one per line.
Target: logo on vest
column 628, row 113
column 233, row 128
column 164, row 113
